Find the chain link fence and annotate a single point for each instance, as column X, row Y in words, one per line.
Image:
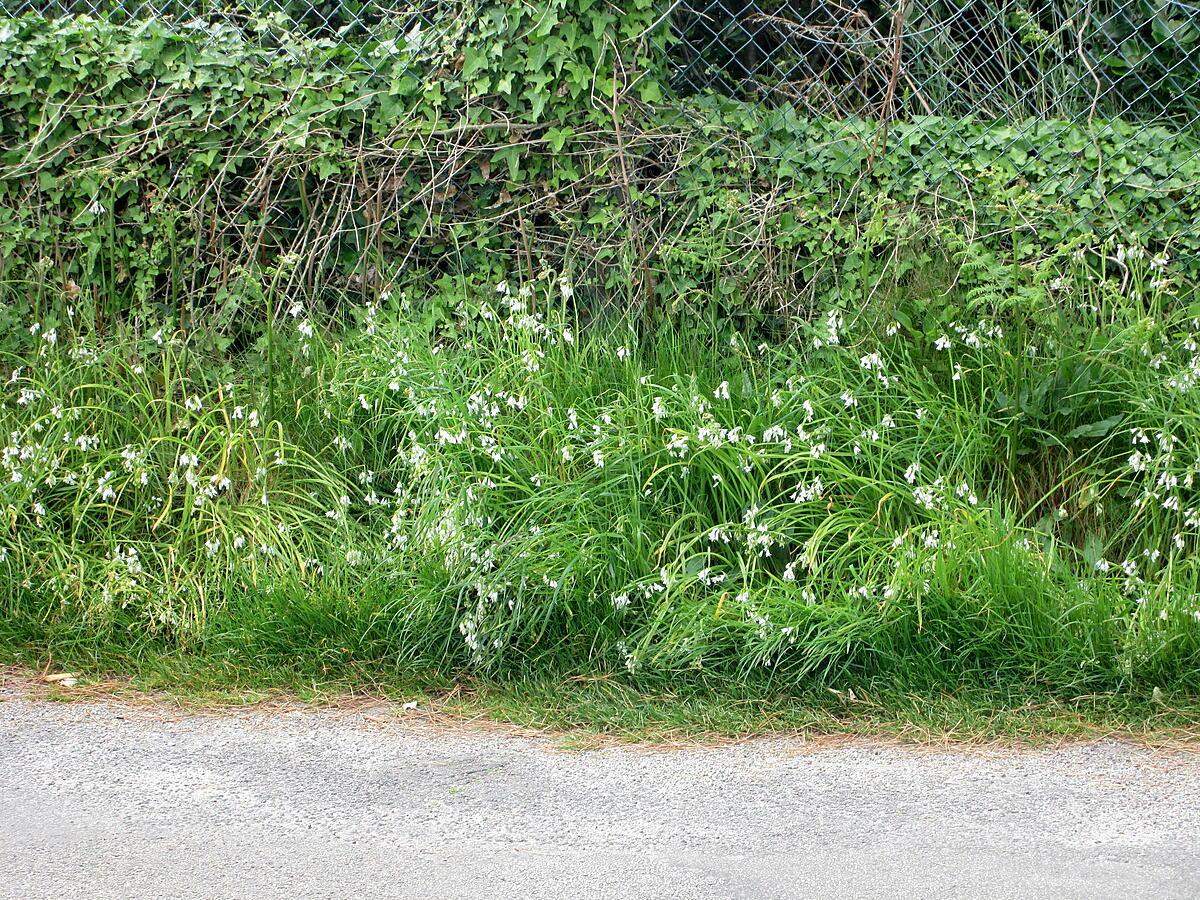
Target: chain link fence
column 993, row 74
column 364, row 28
column 997, row 74
column 990, row 59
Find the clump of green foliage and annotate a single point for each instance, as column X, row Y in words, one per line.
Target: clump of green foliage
column 475, row 350
column 193, row 171
column 1007, row 498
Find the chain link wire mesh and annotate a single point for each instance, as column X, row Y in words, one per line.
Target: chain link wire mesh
column 996, row 73
column 986, row 58
column 992, row 73
column 367, row 29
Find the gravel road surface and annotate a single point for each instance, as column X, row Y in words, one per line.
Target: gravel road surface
column 104, row 800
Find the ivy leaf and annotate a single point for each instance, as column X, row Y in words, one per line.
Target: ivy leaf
column 557, row 138
column 649, row 91
column 474, row 60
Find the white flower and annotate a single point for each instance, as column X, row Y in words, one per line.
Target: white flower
column 598, row 459
column 103, row 489
column 566, row 288
column 942, row 343
column 722, row 391
column 774, row 433
column 530, row 359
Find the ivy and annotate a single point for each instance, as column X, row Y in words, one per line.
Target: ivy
column 158, row 170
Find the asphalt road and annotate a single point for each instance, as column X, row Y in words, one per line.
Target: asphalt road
column 100, row 800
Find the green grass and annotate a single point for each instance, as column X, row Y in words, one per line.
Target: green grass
column 966, row 510
column 586, row 711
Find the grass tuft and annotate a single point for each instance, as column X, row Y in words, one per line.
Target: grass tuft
column 998, row 502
